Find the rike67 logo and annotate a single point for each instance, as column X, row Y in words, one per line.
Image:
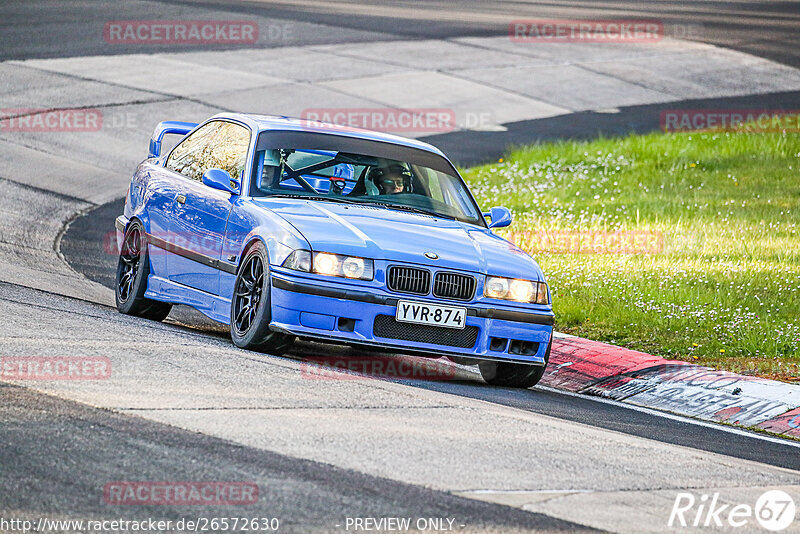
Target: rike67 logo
column 774, row 510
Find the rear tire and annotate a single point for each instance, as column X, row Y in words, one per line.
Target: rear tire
column 133, row 269
column 251, row 309
column 514, row 375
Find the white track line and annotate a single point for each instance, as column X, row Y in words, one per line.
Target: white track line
column 652, row 411
column 675, row 417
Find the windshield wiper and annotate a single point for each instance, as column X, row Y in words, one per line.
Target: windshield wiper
column 403, row 207
column 314, row 197
column 413, row 209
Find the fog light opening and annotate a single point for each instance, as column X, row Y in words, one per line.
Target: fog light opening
column 346, row 325
column 523, row 348
column 498, row 344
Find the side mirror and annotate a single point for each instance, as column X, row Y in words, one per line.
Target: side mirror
column 219, row 179
column 500, row 216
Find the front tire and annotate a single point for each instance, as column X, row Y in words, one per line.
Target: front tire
column 133, row 268
column 251, row 309
column 514, row 375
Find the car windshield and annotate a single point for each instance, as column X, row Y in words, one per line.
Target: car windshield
column 329, row 175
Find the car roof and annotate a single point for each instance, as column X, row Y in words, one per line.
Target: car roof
column 275, row 122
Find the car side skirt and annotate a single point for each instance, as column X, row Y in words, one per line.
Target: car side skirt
column 212, row 306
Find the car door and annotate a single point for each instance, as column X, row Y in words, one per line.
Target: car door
column 198, row 228
column 157, row 190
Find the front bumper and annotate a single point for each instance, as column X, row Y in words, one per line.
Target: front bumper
column 337, row 311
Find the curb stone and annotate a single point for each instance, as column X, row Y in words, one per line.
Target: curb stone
column 594, row 368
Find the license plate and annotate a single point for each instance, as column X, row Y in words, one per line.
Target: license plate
column 431, row 314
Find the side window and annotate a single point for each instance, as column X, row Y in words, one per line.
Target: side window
column 230, row 146
column 431, row 182
column 190, row 156
column 218, row 144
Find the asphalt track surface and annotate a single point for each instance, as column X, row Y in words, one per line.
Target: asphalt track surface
column 305, row 494
column 39, row 28
column 44, row 29
column 42, row 436
column 83, row 247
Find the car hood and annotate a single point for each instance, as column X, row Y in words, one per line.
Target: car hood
column 380, row 233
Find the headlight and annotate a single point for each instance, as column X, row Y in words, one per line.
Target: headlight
column 325, row 263
column 331, row 264
column 354, row 268
column 344, row 266
column 515, row 289
column 298, row 260
column 496, row 288
column 522, row 290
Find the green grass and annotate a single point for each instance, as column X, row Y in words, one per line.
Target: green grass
column 723, row 291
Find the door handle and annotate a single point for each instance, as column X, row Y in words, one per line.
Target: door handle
column 180, row 199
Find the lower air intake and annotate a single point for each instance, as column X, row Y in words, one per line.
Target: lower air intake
column 386, row 326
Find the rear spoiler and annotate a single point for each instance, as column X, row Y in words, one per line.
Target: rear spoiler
column 167, row 127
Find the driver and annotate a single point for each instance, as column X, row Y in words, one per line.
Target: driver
column 392, row 179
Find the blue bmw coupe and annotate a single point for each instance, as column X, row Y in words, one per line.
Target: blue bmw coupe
column 284, row 228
